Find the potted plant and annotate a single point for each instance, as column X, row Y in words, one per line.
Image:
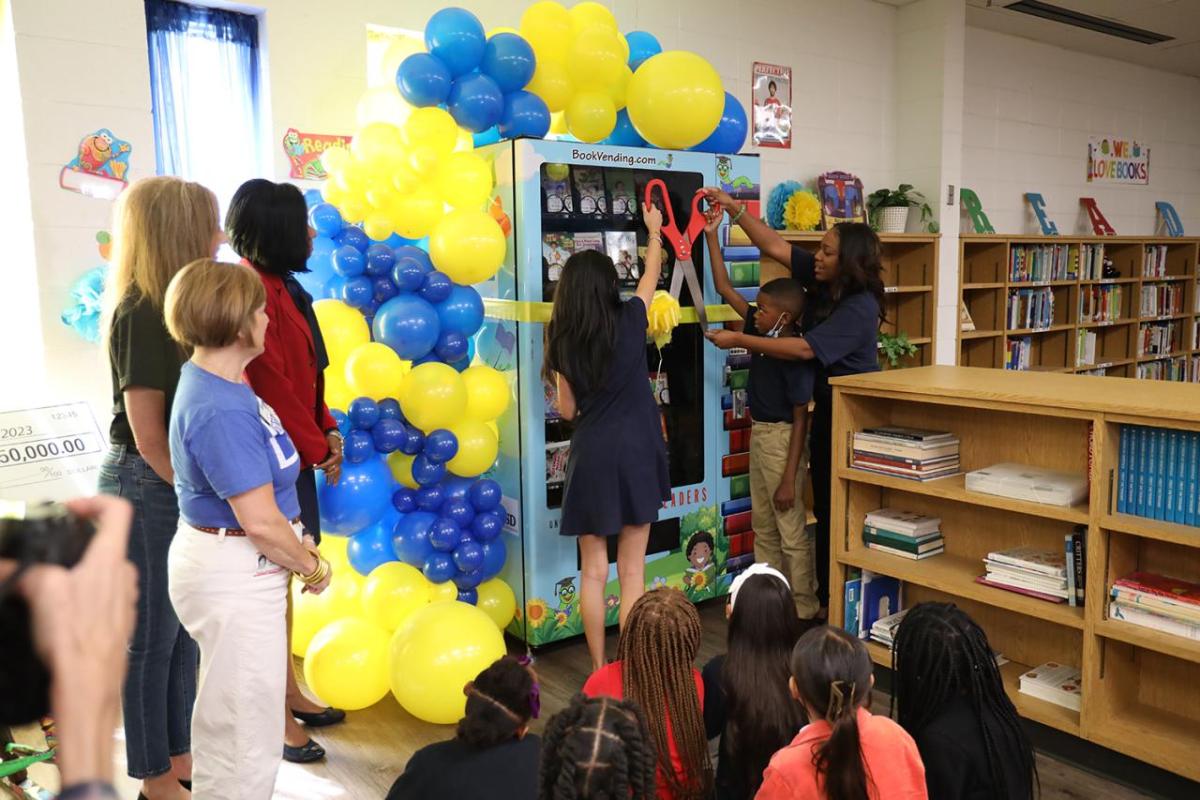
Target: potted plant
column 896, row 347
column 888, row 209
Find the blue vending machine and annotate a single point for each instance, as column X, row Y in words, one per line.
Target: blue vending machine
column 553, row 199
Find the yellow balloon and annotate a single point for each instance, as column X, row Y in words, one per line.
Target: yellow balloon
column 415, row 214
column 377, row 226
column 477, row 448
column 330, row 191
column 312, row 612
column 675, row 100
column 465, row 142
column 393, row 592
column 354, row 208
column 401, row 467
column 397, row 51
column 442, row 591
column 433, row 396
column 501, row 29
column 382, row 104
column 374, row 370
column 333, row 548
column 558, row 172
column 404, row 178
column 552, row 83
column 589, row 14
column 337, row 391
column 558, row 123
column 496, row 599
column 467, row 245
column 377, row 145
column 488, row 394
column 464, row 180
column 346, row 664
column 333, row 159
column 591, row 115
column 424, row 160
column 619, row 88
column 594, row 60
column 382, row 195
column 436, row 653
column 433, row 127
column 351, row 178
column 342, row 327
column 546, row 25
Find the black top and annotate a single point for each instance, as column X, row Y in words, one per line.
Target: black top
column 141, row 353
column 453, row 769
column 956, row 765
column 776, row 385
column 729, row 783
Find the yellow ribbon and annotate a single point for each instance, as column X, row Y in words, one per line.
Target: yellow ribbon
column 531, row 311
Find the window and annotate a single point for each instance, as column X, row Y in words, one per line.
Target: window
column 205, row 83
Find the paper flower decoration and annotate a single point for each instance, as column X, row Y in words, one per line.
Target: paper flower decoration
column 663, row 316
column 82, row 313
column 802, row 212
column 778, row 199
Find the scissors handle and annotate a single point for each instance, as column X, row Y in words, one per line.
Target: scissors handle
column 681, row 241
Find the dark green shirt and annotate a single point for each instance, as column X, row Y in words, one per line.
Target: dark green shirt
column 141, row 353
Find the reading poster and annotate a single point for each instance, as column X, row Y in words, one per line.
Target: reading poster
column 772, row 94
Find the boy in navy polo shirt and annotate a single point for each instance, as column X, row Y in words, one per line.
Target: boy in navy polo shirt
column 779, row 393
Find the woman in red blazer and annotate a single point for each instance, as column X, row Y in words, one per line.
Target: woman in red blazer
column 267, row 225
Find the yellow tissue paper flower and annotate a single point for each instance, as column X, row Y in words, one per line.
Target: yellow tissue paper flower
column 802, row 212
column 662, row 317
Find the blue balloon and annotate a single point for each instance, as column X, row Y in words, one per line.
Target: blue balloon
column 312, row 197
column 456, row 488
column 456, row 36
column 409, row 274
column 359, row 499
column 623, row 133
column 487, row 526
column 420, row 254
column 409, row 325
column 445, row 535
column 411, row 538
column 320, row 262
column 469, row 596
column 380, row 259
column 494, row 556
column 348, row 262
column 363, row 413
column 509, row 61
column 525, row 114
column 389, row 408
column 371, row 547
column 436, row 286
column 440, row 446
column 360, row 293
column 642, row 46
column 359, row 447
column 423, row 80
column 429, row 358
column 490, row 136
column 485, row 494
column 383, row 289
column 462, row 365
column 730, row 133
column 344, row 425
column 468, row 556
column 460, row 511
column 461, row 312
column 426, row 472
column 414, row 441
column 475, row 102
column 326, row 219
column 430, row 498
column 439, row 567
column 451, row 347
column 355, row 237
column 387, row 435
column 404, row 500
column 467, row 581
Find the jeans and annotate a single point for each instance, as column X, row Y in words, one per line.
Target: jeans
column 160, row 687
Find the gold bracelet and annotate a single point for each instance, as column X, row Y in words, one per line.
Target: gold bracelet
column 320, row 573
column 741, row 210
column 654, row 237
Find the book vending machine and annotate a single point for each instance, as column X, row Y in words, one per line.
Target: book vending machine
column 555, row 199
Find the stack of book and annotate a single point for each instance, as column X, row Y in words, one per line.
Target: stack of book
column 1159, row 602
column 1029, row 571
column 1054, row 683
column 903, row 533
column 911, row 453
column 1023, row 482
column 884, row 628
column 1158, row 474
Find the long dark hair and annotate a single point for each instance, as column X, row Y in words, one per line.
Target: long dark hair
column 267, row 224
column 832, row 671
column 597, row 747
column 941, row 655
column 583, row 325
column 762, row 716
column 860, row 263
column 498, row 704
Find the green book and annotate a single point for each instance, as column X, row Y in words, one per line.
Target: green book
column 902, row 538
column 909, row 546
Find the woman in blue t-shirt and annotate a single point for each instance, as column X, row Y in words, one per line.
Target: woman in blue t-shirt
column 840, row 328
column 239, row 532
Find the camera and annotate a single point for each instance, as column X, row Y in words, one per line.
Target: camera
column 45, row 534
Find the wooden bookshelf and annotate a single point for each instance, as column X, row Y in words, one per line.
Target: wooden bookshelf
column 985, row 281
column 1140, row 696
column 910, row 276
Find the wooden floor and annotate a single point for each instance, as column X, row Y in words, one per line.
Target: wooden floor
column 371, row 748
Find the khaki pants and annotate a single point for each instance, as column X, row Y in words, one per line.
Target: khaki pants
column 779, row 536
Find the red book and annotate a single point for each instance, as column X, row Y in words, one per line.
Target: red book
column 1030, row 592
column 905, row 463
column 1162, row 586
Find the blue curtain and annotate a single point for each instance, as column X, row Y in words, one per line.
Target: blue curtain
column 204, row 83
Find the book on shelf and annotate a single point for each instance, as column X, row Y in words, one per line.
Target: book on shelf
column 884, row 629
column 1075, row 544
column 1055, row 683
column 1160, row 338
column 910, row 453
column 1042, row 262
column 1091, row 262
column 1161, row 593
column 916, row 544
column 1160, row 299
column 1032, row 559
column 1028, row 570
column 1154, row 264
column 1024, row 482
column 901, row 553
column 1165, row 369
column 881, row 596
column 1085, row 347
column 1158, row 474
column 909, row 523
column 1030, row 308
column 983, row 580
column 1145, row 617
column 919, row 435
column 1018, row 353
column 1100, row 303
column 917, row 475
column 852, row 595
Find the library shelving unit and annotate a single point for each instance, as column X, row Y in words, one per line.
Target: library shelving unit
column 1082, row 306
column 910, row 270
column 1139, row 693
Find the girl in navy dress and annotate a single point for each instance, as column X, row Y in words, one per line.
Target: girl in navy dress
column 617, row 471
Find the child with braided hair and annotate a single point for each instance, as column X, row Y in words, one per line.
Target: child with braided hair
column 948, row 694
column 845, row 752
column 655, row 668
column 597, row 748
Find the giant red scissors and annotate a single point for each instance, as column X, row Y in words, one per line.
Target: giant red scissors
column 681, row 242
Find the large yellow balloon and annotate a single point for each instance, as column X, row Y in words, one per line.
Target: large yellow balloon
column 312, row 612
column 594, row 60
column 496, row 599
column 415, row 214
column 397, row 51
column 346, row 664
column 333, row 548
column 442, row 591
column 433, row 396
column 334, row 159
column 546, row 25
column 377, row 226
column 342, row 327
column 619, row 88
column 590, row 14
column 591, row 115
column 675, row 100
column 468, row 246
column 558, row 123
column 488, row 394
column 401, row 466
column 337, row 391
column 477, row 448
column 374, row 370
column 432, row 127
column 464, row 180
column 393, row 592
column 382, row 104
column 436, row 653
column 377, row 146
column 551, row 82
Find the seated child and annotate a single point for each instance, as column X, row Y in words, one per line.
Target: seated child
column 492, row 755
column 597, row 748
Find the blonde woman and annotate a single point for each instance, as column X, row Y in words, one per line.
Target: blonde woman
column 159, row 225
column 240, row 536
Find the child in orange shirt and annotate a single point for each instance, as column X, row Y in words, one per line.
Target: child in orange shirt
column 845, row 753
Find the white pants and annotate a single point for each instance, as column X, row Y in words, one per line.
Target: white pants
column 233, row 601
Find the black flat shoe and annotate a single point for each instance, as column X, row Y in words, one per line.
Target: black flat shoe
column 306, row 754
column 330, row 716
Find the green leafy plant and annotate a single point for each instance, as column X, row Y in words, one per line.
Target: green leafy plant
column 904, row 196
column 896, row 347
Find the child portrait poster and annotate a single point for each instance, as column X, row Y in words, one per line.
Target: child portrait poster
column 772, row 94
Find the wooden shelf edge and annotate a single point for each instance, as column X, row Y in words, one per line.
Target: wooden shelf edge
column 1168, row 740
column 1031, row 331
column 1132, row 525
column 1149, row 639
column 979, row 334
